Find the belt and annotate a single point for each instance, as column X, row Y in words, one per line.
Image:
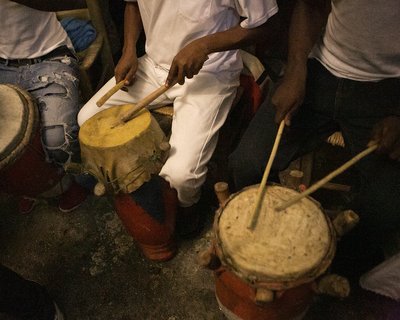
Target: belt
column 58, row 52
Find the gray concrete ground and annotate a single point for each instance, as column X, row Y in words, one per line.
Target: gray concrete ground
column 93, row 269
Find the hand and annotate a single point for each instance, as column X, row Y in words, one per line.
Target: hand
column 187, row 63
column 126, row 69
column 387, row 134
column 290, row 94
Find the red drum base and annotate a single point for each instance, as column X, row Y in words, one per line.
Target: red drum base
column 156, row 239
column 30, row 175
column 237, row 300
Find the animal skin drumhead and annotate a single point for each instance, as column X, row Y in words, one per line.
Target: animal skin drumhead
column 284, row 244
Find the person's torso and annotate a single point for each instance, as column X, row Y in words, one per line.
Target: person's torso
column 362, row 40
column 28, row 33
column 172, row 24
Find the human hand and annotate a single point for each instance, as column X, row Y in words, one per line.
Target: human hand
column 126, row 69
column 187, row 63
column 290, row 94
column 386, row 134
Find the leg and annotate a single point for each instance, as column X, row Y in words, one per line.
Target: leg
column 54, row 84
column 310, row 126
column 147, row 79
column 197, row 119
column 378, row 198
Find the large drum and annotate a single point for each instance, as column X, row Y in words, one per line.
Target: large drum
column 122, row 157
column 23, row 166
column 268, row 272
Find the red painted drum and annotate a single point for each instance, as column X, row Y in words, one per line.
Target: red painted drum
column 126, row 158
column 23, row 166
column 154, row 236
column 268, row 273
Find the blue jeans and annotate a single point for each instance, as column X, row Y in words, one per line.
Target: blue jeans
column 331, row 104
column 54, row 84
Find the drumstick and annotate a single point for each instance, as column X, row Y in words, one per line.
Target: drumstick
column 263, row 184
column 109, row 93
column 326, row 179
column 143, row 103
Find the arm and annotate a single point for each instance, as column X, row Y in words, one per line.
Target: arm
column 127, row 65
column 191, row 58
column 48, row 5
column 308, row 20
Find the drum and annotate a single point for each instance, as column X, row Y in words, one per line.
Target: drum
column 268, row 272
column 125, row 156
column 23, row 166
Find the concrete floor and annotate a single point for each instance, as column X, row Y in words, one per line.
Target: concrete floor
column 94, row 271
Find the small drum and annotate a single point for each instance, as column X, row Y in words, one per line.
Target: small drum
column 125, row 156
column 23, row 166
column 268, row 273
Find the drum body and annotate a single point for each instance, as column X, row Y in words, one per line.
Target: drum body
column 122, row 157
column 23, row 166
column 269, row 272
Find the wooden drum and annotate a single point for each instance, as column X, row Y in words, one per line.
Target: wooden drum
column 122, row 157
column 268, row 272
column 23, row 166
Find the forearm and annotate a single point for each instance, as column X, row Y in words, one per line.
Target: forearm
column 308, row 21
column 238, row 37
column 132, row 28
column 48, row 5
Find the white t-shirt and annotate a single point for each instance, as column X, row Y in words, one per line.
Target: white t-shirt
column 28, row 33
column 171, row 24
column 362, row 40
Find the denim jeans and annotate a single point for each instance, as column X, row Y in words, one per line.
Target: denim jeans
column 331, row 104
column 54, row 84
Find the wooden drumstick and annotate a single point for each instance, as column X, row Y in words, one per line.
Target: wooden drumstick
column 326, row 179
column 143, row 103
column 263, row 184
column 109, row 93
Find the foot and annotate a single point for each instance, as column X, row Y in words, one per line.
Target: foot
column 26, row 204
column 72, row 198
column 189, row 222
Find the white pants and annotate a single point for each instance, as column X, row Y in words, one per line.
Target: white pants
column 201, row 106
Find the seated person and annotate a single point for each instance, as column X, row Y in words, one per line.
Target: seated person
column 37, row 55
column 193, row 43
column 343, row 73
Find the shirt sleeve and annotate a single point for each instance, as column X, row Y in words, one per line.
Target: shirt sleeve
column 255, row 12
column 130, row 0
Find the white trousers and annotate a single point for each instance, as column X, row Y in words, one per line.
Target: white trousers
column 201, row 106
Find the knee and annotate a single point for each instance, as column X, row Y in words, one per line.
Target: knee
column 58, row 145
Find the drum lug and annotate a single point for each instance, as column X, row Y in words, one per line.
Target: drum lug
column 264, row 296
column 222, row 192
column 99, row 189
column 333, row 285
column 345, row 221
column 209, row 259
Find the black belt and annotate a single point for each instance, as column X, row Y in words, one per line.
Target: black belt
column 58, row 52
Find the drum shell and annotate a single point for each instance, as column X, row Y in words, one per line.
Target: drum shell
column 237, row 299
column 24, row 169
column 236, row 292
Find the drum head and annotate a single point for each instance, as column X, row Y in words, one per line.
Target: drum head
column 18, row 120
column 100, row 130
column 285, row 246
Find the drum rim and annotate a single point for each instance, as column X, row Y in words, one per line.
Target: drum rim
column 265, row 281
column 31, row 125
